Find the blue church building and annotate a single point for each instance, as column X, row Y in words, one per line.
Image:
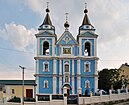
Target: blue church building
column 66, row 61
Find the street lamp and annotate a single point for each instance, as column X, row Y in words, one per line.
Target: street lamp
column 22, row 84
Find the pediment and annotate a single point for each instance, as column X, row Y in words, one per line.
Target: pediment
column 66, row 39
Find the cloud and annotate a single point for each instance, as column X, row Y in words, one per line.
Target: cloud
column 110, row 19
column 14, row 73
column 21, row 37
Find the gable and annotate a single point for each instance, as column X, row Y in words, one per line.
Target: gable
column 89, row 34
column 67, row 39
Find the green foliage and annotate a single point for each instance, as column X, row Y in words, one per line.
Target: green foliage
column 109, row 78
column 15, row 99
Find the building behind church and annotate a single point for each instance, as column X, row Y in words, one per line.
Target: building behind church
column 66, row 61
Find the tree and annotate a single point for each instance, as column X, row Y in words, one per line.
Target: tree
column 109, row 79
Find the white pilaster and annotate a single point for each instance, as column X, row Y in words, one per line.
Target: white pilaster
column 54, row 78
column 38, row 46
column 72, row 85
column 96, row 84
column 73, row 76
column 79, row 82
column 60, row 85
column 95, row 47
column 54, row 66
column 53, row 46
column 73, row 67
column 54, row 85
column 60, row 78
column 60, row 68
column 78, row 72
column 80, row 47
column 78, row 66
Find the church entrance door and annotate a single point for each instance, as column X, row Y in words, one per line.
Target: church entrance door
column 68, row 92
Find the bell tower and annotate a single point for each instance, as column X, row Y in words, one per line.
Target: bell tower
column 45, row 68
column 87, row 40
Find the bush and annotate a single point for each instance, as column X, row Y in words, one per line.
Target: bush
column 15, row 99
column 29, row 99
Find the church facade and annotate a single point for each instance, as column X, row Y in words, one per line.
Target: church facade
column 66, row 61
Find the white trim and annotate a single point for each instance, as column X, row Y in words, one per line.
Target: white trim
column 67, row 80
column 54, row 66
column 42, row 45
column 53, row 46
column 68, row 63
column 45, row 81
column 60, row 72
column 73, row 67
column 80, row 46
column 88, row 68
column 60, row 85
column 79, row 82
column 95, row 47
column 78, row 65
column 46, row 62
column 90, row 46
column 54, row 85
column 96, row 84
column 72, row 85
column 38, row 46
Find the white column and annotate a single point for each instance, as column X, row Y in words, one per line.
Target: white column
column 72, row 85
column 79, row 82
column 80, row 47
column 54, row 85
column 54, row 66
column 73, row 76
column 37, row 79
column 60, row 67
column 60, row 78
column 53, row 46
column 95, row 47
column 73, row 67
column 54, row 78
column 78, row 72
column 38, row 46
column 60, row 85
column 78, row 66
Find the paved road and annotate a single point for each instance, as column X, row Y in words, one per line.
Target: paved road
column 125, row 103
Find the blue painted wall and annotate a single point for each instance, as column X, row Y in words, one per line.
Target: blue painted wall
column 41, row 67
column 48, row 90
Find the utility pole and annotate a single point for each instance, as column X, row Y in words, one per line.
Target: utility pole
column 22, row 84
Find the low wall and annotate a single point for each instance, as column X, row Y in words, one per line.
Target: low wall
column 102, row 98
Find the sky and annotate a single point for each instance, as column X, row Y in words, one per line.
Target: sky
column 20, row 19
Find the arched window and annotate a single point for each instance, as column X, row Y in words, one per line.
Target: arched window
column 45, row 84
column 87, row 84
column 45, row 66
column 66, row 67
column 87, row 67
column 87, row 51
column 45, row 48
column 66, row 79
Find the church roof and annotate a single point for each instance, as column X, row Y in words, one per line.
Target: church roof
column 86, row 20
column 47, row 20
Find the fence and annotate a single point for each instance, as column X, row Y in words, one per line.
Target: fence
column 81, row 100
column 103, row 98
